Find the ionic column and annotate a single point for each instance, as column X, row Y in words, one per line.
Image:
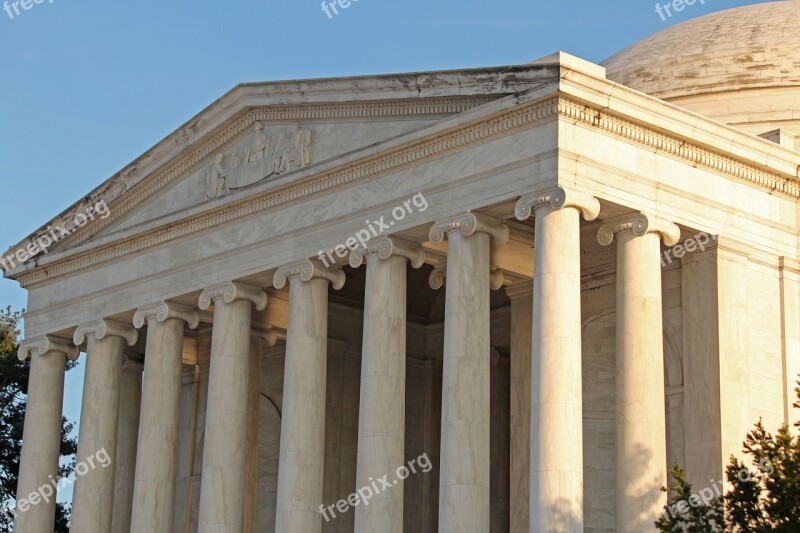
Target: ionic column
column 130, row 401
column 225, row 450
column 154, row 486
column 641, row 433
column 465, row 454
column 41, row 436
column 556, row 444
column 93, row 496
column 303, row 424
column 381, row 425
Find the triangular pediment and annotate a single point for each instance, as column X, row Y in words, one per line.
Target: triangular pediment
column 275, row 132
column 269, row 150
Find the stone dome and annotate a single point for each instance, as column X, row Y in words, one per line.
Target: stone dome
column 740, row 66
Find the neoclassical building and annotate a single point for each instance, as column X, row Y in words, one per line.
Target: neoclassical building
column 550, row 280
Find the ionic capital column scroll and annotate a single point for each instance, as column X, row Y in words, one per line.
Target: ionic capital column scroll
column 640, row 399
column 102, row 329
column 232, row 291
column 437, row 276
column 467, row 224
column 639, row 224
column 154, row 484
column 556, row 199
column 41, row 438
column 307, row 270
column 47, row 344
column 163, row 311
column 93, row 498
column 386, row 247
column 300, row 470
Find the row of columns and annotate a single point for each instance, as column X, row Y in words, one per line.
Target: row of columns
column 145, row 501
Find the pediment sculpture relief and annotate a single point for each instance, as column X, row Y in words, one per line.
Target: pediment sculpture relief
column 259, row 157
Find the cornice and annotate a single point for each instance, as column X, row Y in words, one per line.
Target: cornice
column 463, row 136
column 680, row 148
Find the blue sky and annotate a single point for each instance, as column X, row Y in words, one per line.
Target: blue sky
column 86, row 86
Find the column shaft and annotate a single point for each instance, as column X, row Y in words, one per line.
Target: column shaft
column 156, row 455
column 641, row 433
column 303, row 424
column 520, row 422
column 41, row 440
column 224, row 453
column 253, row 404
column 556, row 442
column 130, row 399
column 381, row 427
column 465, row 458
column 93, row 496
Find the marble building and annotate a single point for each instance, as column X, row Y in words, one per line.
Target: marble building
column 582, row 273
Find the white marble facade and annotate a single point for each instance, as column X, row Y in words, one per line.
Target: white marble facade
column 586, row 284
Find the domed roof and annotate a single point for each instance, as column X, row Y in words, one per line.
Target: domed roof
column 740, row 66
column 741, row 48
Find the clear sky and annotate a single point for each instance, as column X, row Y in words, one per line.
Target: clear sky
column 87, row 86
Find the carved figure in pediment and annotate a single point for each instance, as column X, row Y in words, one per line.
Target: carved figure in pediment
column 302, row 143
column 217, row 179
column 234, row 160
column 282, row 157
column 260, row 147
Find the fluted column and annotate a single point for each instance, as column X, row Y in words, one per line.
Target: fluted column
column 154, row 486
column 130, row 401
column 41, row 436
column 556, row 444
column 641, row 433
column 225, row 450
column 381, row 425
column 93, row 496
column 521, row 296
column 465, row 448
column 303, row 424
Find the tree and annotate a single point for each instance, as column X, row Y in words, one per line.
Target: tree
column 688, row 518
column 13, row 389
column 764, row 498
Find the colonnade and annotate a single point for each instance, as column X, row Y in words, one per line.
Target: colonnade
column 140, row 496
